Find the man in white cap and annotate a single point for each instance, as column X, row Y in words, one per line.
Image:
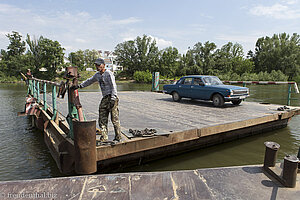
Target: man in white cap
column 110, row 100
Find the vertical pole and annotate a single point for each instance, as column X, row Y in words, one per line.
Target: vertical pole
column 155, row 81
column 38, row 91
column 29, row 85
column 34, row 90
column 289, row 172
column 289, row 95
column 30, row 88
column 54, row 107
column 45, row 96
column 85, row 147
column 271, row 154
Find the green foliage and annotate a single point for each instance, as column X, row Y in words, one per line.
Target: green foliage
column 47, row 54
column 12, row 60
column 142, row 76
column 261, row 76
column 280, row 52
column 7, row 79
column 85, row 75
column 168, row 62
column 139, row 55
column 83, row 59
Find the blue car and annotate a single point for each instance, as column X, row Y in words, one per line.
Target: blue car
column 208, row 88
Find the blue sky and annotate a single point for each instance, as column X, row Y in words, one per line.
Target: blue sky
column 101, row 25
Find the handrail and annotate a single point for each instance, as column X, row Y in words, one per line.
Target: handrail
column 73, row 107
column 34, row 90
column 45, row 81
column 290, row 83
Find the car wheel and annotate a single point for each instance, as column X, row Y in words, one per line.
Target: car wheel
column 218, row 100
column 236, row 102
column 176, row 96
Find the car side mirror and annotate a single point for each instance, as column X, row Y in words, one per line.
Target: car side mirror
column 201, row 83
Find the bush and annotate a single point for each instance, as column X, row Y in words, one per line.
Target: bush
column 142, row 76
column 278, row 76
column 235, row 77
column 249, row 77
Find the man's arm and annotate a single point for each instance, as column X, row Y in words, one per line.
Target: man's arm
column 89, row 81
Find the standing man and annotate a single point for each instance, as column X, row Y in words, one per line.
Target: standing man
column 110, row 100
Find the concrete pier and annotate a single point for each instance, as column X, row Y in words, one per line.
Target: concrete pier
column 245, row 182
column 182, row 126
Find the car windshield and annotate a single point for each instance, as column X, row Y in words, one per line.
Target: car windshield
column 212, row 80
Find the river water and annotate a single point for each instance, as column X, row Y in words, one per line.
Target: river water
column 23, row 154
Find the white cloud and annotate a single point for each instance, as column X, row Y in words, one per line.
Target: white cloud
column 161, row 43
column 129, row 20
column 282, row 10
column 7, row 9
column 78, row 30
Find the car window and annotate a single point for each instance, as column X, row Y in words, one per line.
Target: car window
column 188, row 81
column 180, row 81
column 212, row 80
column 197, row 81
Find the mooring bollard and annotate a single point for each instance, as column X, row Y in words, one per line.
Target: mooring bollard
column 290, row 168
column 85, row 147
column 271, row 154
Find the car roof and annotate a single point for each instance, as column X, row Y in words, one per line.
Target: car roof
column 196, row 76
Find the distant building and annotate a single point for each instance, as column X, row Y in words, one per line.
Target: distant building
column 110, row 61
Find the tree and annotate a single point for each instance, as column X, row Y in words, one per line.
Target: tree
column 46, row 54
column 90, row 57
column 16, row 46
column 138, row 55
column 203, row 56
column 12, row 61
column 169, row 61
column 230, row 59
column 280, row 52
column 78, row 59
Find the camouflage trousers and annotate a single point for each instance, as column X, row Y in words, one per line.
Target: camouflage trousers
column 106, row 108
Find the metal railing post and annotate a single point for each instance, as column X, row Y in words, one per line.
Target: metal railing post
column 30, row 88
column 45, row 96
column 38, row 91
column 34, row 93
column 289, row 94
column 54, row 107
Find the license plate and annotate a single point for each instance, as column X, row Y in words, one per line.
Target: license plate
column 242, row 97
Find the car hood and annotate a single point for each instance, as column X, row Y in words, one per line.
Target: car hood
column 232, row 87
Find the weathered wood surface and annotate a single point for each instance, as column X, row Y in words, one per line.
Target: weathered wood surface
column 140, row 110
column 246, row 182
column 182, row 126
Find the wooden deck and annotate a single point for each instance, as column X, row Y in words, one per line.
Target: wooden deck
column 245, row 182
column 182, row 126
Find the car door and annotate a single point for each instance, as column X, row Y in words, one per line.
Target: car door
column 198, row 89
column 185, row 87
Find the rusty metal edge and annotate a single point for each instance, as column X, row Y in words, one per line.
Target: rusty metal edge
column 145, row 144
